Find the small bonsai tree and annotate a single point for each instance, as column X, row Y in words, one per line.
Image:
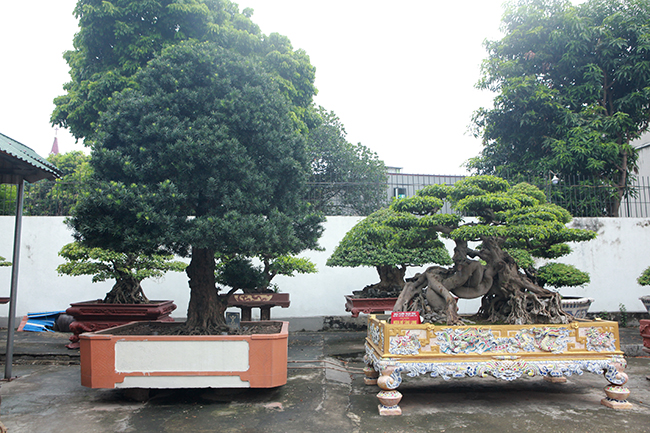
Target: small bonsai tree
column 127, row 269
column 389, row 249
column 241, row 273
column 494, row 253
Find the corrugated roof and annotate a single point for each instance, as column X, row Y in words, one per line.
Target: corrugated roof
column 18, row 161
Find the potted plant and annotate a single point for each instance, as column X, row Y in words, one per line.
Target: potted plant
column 562, row 275
column 240, row 273
column 521, row 328
column 201, row 157
column 390, row 249
column 126, row 301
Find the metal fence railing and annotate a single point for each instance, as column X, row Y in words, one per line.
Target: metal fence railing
column 582, row 197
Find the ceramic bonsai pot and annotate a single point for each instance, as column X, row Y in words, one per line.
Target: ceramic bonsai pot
column 127, row 361
column 646, row 302
column 506, row 352
column 91, row 316
column 576, row 306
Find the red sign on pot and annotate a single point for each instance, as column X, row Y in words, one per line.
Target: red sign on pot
column 405, row 317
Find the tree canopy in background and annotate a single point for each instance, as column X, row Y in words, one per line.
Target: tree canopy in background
column 346, row 179
column 206, row 133
column 58, row 198
column 573, row 84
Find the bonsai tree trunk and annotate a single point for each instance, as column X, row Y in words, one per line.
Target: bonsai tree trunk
column 205, row 313
column 508, row 295
column 127, row 290
column 391, row 283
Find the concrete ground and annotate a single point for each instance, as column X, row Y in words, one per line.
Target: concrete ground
column 325, row 392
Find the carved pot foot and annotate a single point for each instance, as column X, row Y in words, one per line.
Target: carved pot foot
column 616, row 397
column 371, row 375
column 389, row 401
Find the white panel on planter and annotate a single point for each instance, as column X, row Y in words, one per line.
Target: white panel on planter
column 182, row 382
column 204, row 355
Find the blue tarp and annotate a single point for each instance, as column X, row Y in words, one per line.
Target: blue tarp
column 41, row 322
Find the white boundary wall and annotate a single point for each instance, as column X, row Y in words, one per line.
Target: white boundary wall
column 614, row 260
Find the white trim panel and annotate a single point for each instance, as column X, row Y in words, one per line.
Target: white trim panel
column 180, row 356
column 182, row 382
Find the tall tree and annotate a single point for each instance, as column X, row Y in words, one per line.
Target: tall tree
column 119, row 37
column 573, row 91
column 346, row 178
column 200, row 156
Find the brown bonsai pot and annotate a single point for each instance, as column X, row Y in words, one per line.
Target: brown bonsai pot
column 92, row 316
column 368, row 305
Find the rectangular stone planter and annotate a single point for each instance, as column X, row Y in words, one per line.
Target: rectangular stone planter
column 182, row 361
column 506, row 352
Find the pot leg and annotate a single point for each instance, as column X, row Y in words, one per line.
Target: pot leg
column 371, row 375
column 617, row 393
column 388, row 397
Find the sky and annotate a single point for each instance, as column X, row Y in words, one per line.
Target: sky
column 400, row 75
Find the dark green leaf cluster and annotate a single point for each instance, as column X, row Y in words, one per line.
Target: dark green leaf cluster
column 644, row 279
column 561, row 275
column 375, row 242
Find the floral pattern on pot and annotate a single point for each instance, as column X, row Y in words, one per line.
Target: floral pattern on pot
column 478, row 341
column 407, row 344
column 599, row 341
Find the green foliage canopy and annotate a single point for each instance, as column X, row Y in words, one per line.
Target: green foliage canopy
column 118, row 38
column 517, row 218
column 105, row 265
column 375, row 242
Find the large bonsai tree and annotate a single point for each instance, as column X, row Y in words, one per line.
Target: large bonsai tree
column 201, row 156
column 127, row 269
column 498, row 231
column 389, row 249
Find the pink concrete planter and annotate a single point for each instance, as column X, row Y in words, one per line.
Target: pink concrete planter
column 184, row 361
column 91, row 316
